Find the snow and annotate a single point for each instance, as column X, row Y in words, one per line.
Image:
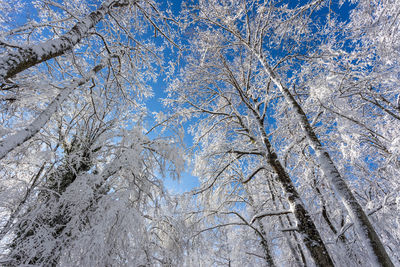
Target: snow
column 84, row 184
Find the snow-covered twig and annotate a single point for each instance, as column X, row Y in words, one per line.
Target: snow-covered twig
column 253, row 174
column 17, row 61
column 11, row 142
column 269, row 213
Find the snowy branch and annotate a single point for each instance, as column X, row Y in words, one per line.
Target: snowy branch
column 11, row 142
column 269, row 213
column 14, row 62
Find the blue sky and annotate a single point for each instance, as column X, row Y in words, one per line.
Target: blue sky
column 187, row 181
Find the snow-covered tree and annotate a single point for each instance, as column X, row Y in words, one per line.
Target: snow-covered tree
column 81, row 179
column 289, row 44
column 75, row 41
column 232, row 102
column 293, row 108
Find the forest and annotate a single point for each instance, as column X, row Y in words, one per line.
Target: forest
column 286, row 112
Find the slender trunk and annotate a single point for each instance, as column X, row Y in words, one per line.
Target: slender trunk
column 342, row 238
column 265, row 245
column 362, row 224
column 272, row 190
column 19, row 60
column 11, row 142
column 305, row 224
column 299, row 247
column 264, row 241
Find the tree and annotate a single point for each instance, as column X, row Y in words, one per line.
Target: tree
column 71, row 209
column 235, row 116
column 82, row 174
column 357, row 90
column 19, row 58
column 122, row 53
column 279, row 32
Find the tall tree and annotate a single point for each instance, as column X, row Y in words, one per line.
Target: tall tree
column 119, row 46
column 276, row 35
column 89, row 183
column 236, row 124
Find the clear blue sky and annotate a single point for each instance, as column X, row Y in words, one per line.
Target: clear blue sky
column 187, row 181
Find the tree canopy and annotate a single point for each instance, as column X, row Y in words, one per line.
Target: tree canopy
column 287, row 112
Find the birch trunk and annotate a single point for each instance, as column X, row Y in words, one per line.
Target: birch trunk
column 17, row 61
column 361, row 222
column 11, row 142
column 305, row 224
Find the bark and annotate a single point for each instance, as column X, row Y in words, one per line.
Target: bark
column 303, row 261
column 264, row 241
column 11, row 142
column 19, row 60
column 267, row 251
column 306, row 227
column 305, row 224
column 325, row 215
column 361, row 222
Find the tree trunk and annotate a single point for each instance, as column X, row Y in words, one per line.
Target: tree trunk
column 265, row 245
column 362, row 224
column 264, row 241
column 303, row 261
column 19, row 60
column 305, row 224
column 11, row 142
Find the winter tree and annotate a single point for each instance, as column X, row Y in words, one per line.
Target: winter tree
column 288, row 44
column 81, row 178
column 293, row 108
